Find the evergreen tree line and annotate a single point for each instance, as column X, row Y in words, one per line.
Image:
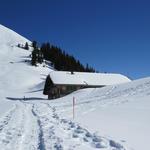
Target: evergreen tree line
column 61, row 60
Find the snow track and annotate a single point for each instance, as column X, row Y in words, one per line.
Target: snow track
column 61, row 134
column 37, row 126
column 16, row 131
column 4, row 121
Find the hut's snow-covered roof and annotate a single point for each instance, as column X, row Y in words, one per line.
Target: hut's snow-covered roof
column 84, row 78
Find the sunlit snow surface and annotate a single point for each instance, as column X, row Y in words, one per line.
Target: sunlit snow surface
column 85, row 78
column 110, row 118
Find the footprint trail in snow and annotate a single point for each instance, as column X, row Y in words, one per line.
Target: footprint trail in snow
column 37, row 126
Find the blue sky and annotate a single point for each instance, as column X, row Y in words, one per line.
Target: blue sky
column 110, row 35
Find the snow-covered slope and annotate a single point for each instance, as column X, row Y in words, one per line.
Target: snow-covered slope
column 16, row 75
column 120, row 112
column 11, row 38
column 111, row 118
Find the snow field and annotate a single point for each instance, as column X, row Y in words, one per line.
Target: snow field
column 111, row 118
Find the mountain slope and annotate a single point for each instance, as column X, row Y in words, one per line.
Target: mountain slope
column 11, row 38
column 16, row 75
column 111, row 118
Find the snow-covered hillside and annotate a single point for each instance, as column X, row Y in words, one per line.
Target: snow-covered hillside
column 17, row 77
column 111, row 118
column 11, row 38
column 120, row 112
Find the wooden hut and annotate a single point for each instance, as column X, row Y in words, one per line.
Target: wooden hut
column 60, row 83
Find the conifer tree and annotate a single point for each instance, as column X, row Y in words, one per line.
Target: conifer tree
column 34, row 44
column 26, row 46
column 40, row 56
column 34, row 57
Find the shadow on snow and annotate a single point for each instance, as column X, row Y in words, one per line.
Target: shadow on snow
column 25, row 98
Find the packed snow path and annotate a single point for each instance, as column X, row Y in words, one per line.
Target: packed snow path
column 37, row 126
column 18, row 129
